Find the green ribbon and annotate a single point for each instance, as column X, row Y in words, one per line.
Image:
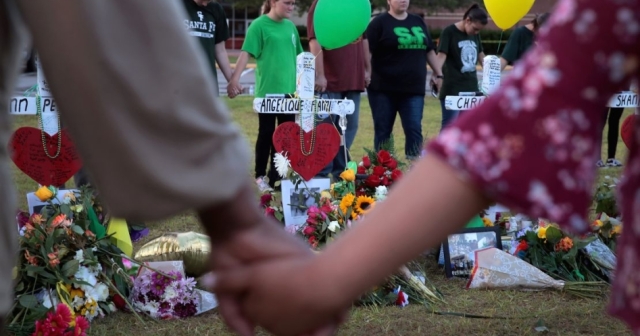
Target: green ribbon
column 94, row 223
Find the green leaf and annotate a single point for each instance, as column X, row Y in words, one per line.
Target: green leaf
column 28, row 301
column 279, row 216
column 77, row 229
column 554, row 235
column 324, row 227
column 66, row 209
column 70, row 268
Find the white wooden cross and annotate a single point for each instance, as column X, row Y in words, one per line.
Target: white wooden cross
column 305, row 103
column 23, row 105
column 491, row 81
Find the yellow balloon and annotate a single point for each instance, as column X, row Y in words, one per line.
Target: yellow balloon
column 506, row 13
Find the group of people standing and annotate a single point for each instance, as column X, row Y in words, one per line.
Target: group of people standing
column 388, row 62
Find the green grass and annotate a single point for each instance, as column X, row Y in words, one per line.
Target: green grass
column 562, row 314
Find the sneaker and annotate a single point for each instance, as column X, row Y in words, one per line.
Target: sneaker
column 600, row 164
column 614, row 163
column 263, row 183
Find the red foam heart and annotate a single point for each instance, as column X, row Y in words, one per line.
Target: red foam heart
column 29, row 156
column 627, row 130
column 286, row 138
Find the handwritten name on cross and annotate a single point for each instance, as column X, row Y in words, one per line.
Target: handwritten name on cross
column 305, row 104
column 21, row 105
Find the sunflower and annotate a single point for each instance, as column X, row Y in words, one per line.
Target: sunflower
column 347, row 202
column 364, row 204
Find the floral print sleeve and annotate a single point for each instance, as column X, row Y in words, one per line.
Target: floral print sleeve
column 533, row 145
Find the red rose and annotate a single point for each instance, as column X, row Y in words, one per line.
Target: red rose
column 372, row 181
column 265, row 199
column 270, row 212
column 384, row 157
column 378, row 171
column 396, row 174
column 366, row 162
column 385, row 181
column 362, row 170
column 361, row 192
column 393, row 164
column 308, row 231
column 119, row 302
column 313, row 241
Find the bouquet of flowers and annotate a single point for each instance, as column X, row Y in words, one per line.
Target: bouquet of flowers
column 165, row 296
column 162, row 291
column 559, row 255
column 381, row 168
column 63, row 261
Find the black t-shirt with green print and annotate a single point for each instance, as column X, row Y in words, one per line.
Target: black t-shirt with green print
column 519, row 42
column 459, row 69
column 399, row 54
column 209, row 25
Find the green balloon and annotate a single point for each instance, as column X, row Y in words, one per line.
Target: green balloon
column 338, row 23
column 476, row 222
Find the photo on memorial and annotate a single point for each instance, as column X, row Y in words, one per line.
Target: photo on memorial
column 296, row 201
column 459, row 249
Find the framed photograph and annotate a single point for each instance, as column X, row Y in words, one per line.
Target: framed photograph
column 507, row 243
column 295, row 202
column 459, row 248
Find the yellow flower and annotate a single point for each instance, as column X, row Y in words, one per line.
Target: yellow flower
column 617, row 229
column 325, row 194
column 364, row 204
column 542, row 233
column 597, row 223
column 44, row 194
column 347, row 202
column 487, row 222
column 348, row 175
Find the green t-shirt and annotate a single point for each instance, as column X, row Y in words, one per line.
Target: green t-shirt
column 275, row 46
column 519, row 42
column 459, row 69
column 208, row 24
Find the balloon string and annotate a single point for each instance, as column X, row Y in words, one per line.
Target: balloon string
column 500, row 42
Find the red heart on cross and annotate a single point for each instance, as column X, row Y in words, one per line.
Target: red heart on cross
column 28, row 154
column 286, row 138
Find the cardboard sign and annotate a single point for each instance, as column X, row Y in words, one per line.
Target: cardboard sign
column 28, row 154
column 286, row 138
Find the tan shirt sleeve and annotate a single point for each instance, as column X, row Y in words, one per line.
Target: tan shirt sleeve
column 135, row 93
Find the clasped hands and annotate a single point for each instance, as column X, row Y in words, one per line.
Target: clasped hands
column 234, row 88
column 264, row 276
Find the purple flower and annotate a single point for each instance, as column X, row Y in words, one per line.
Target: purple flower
column 138, row 234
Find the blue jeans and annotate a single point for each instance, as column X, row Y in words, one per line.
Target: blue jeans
column 337, row 166
column 448, row 116
column 384, row 106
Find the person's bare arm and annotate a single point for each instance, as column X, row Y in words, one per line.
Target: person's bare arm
column 367, row 62
column 234, row 88
column 481, row 58
column 223, row 61
column 316, row 50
